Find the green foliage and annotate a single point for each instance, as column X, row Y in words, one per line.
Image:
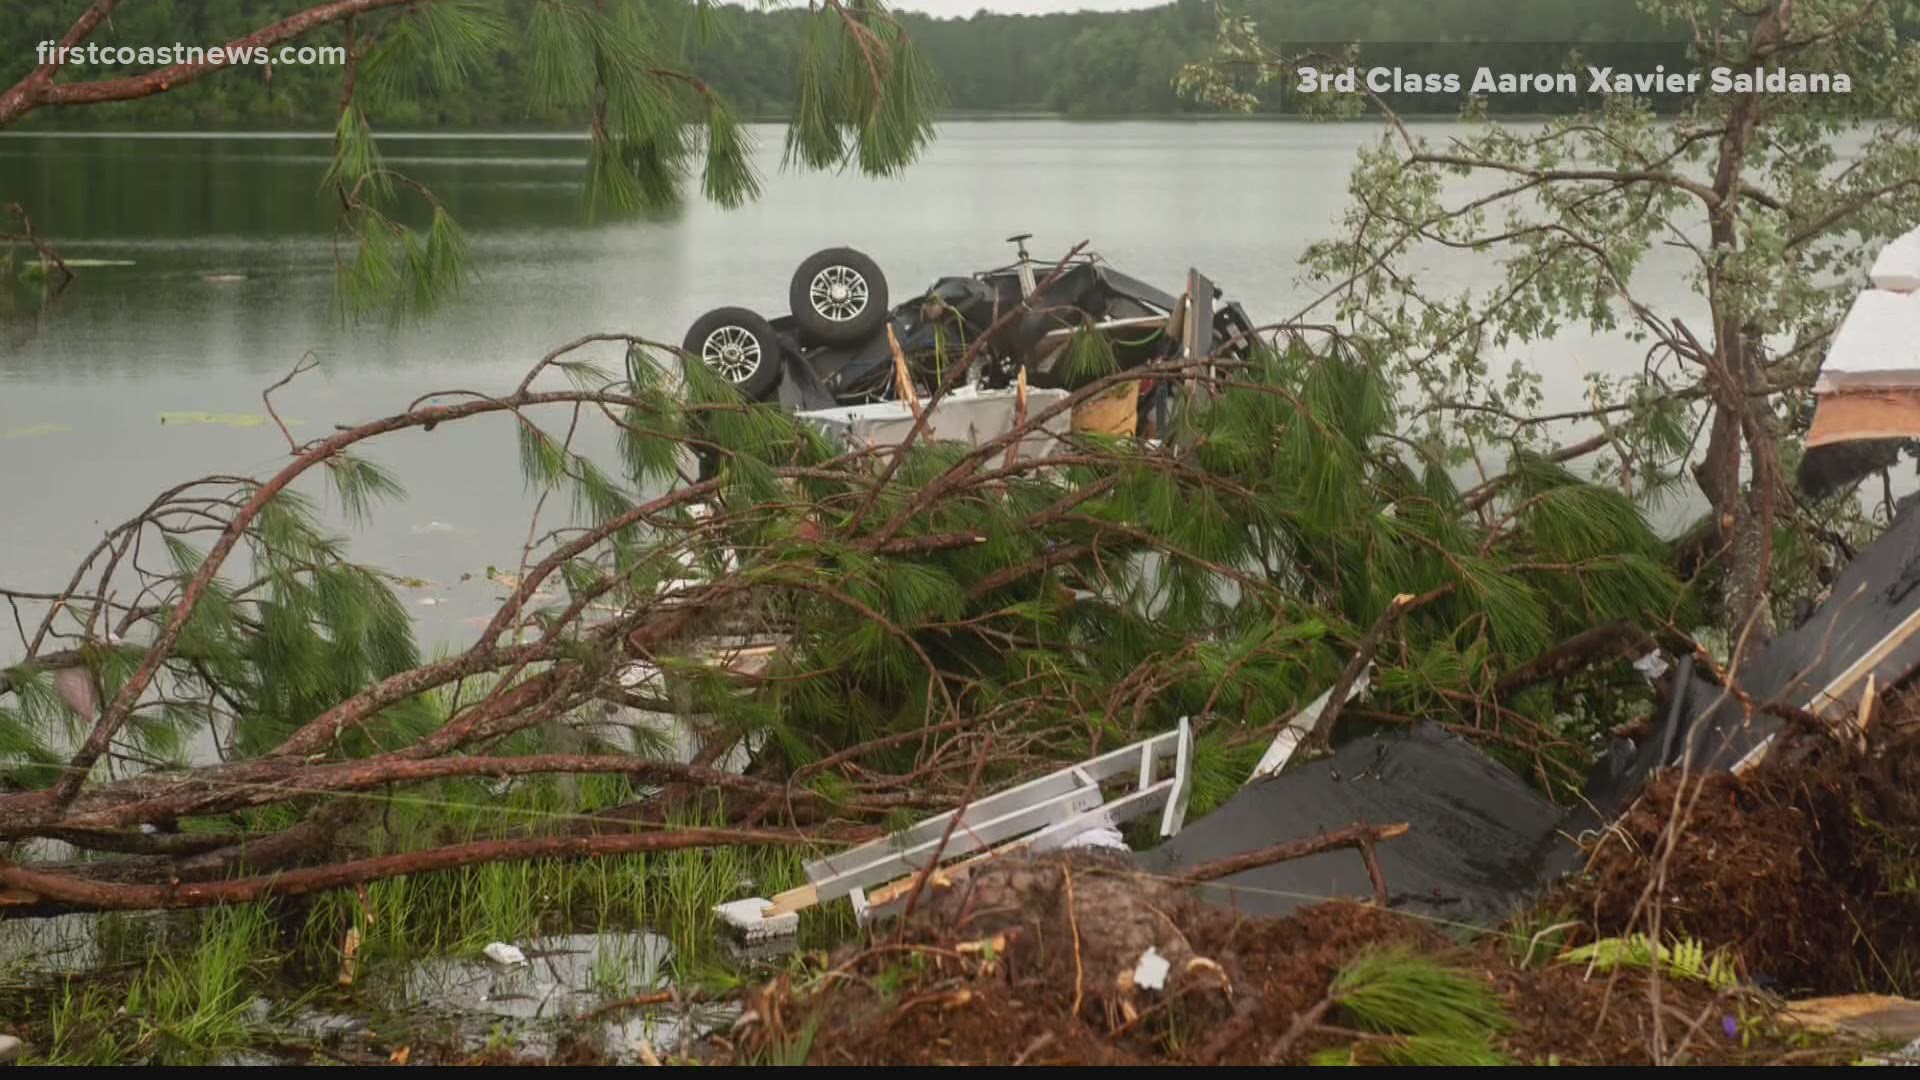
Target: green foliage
column 1078, row 63
column 1685, row 958
column 1226, row 577
column 1430, row 1014
column 1537, row 935
column 1089, row 356
column 1577, row 217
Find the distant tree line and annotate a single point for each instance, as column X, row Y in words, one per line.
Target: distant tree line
column 1078, row 64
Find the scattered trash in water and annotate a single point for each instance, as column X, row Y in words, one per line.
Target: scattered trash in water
column 223, row 279
column 430, row 528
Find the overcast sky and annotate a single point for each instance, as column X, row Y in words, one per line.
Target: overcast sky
column 950, row 8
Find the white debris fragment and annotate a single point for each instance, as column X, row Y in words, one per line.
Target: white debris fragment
column 10, row 1047
column 1898, row 267
column 1296, row 731
column 504, row 954
column 750, row 919
column 1151, row 971
column 1105, row 836
column 1652, row 665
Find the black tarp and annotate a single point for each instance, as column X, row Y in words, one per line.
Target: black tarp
column 1477, row 842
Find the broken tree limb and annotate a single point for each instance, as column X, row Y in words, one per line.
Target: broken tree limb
column 1614, row 640
column 1322, row 733
column 946, row 835
column 1363, row 837
column 226, row 788
column 902, row 377
column 20, row 886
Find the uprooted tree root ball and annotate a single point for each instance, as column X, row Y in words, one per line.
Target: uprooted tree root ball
column 1034, row 961
column 1806, row 869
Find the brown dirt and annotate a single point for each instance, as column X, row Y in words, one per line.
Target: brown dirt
column 991, row 971
column 1807, row 869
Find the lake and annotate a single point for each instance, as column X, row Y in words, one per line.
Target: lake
column 230, row 237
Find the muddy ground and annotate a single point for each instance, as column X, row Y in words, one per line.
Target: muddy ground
column 1802, row 875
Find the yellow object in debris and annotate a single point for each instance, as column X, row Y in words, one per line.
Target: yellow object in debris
column 1116, row 412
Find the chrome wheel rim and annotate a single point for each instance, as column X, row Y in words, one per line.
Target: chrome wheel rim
column 838, row 293
column 732, row 351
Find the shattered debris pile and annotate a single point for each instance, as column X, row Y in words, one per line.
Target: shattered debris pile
column 1046, row 960
column 1798, row 877
column 1806, row 869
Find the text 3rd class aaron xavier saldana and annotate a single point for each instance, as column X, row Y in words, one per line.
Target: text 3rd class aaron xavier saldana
column 1594, row 80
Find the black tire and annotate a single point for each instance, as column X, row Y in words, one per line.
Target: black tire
column 838, row 297
column 740, row 347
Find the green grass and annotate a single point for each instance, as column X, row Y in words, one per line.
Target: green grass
column 188, row 1003
column 1422, row 1011
column 181, row 989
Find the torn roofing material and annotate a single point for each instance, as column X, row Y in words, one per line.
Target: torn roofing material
column 1868, row 627
column 1868, row 391
column 1479, row 839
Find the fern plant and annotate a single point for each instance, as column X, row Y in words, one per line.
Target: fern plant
column 1683, row 957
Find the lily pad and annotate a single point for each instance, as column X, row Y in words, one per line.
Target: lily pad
column 33, row 430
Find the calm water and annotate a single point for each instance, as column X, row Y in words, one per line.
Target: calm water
column 83, row 384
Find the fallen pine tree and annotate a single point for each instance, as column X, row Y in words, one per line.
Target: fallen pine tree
column 218, row 703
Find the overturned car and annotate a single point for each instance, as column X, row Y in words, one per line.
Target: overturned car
column 836, row 345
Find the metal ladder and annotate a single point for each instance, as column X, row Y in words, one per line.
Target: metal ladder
column 1038, row 815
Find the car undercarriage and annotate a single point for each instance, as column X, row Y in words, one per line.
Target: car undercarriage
column 841, row 344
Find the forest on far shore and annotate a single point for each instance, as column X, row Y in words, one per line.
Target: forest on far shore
column 1077, row 64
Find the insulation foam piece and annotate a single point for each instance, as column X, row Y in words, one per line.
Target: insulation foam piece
column 1898, row 267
